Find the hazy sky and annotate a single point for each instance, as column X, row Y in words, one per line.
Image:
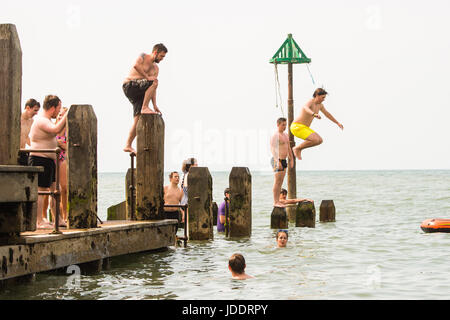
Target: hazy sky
column 384, row 63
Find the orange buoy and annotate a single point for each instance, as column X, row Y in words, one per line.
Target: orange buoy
column 436, row 225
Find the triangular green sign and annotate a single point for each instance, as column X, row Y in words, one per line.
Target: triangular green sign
column 290, row 52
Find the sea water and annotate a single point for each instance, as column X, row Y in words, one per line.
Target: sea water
column 374, row 250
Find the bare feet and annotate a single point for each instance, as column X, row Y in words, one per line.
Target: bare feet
column 129, row 149
column 279, row 205
column 45, row 225
column 297, row 153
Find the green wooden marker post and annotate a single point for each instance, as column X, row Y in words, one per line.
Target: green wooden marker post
column 290, row 53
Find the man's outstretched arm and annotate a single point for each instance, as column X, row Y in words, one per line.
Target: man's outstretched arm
column 330, row 116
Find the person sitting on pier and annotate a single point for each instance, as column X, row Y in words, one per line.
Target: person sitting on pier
column 172, row 196
column 281, row 149
column 140, row 87
column 283, row 200
column 236, row 264
column 26, row 120
column 282, row 238
column 300, row 126
column 221, row 213
column 43, row 136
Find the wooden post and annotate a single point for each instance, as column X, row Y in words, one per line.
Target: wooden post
column 240, row 183
column 278, row 218
column 200, row 224
column 82, row 167
column 128, row 194
column 150, row 168
column 215, row 211
column 10, row 94
column 327, row 211
column 306, row 215
column 291, row 172
column 117, row 212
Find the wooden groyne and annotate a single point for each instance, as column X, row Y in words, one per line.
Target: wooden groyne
column 87, row 241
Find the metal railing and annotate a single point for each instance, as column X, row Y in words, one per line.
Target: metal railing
column 132, row 188
column 185, row 208
column 56, row 194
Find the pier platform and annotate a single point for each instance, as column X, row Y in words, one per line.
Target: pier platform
column 39, row 251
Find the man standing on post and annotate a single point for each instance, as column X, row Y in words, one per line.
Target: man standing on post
column 300, row 126
column 26, row 120
column 43, row 136
column 140, row 87
column 281, row 149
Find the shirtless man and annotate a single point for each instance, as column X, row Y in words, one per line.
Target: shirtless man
column 280, row 148
column 140, row 87
column 172, row 196
column 284, row 200
column 43, row 136
column 26, row 120
column 300, row 126
column 236, row 265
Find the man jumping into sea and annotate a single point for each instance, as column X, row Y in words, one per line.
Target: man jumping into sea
column 300, row 126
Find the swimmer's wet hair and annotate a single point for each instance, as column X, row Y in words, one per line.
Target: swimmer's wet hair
column 237, row 263
column 319, row 92
column 283, row 191
column 227, row 190
column 283, row 231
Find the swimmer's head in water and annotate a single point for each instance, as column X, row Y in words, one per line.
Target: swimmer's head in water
column 236, row 263
column 282, row 238
column 283, row 194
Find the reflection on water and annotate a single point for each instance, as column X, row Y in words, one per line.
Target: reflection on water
column 375, row 249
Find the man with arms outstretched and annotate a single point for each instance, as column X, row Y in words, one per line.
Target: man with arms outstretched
column 140, row 87
column 300, row 126
column 281, row 149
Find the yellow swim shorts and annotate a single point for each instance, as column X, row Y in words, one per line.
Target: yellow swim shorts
column 300, row 130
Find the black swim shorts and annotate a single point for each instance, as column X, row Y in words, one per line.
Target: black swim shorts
column 173, row 215
column 275, row 165
column 45, row 178
column 135, row 91
column 23, row 158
